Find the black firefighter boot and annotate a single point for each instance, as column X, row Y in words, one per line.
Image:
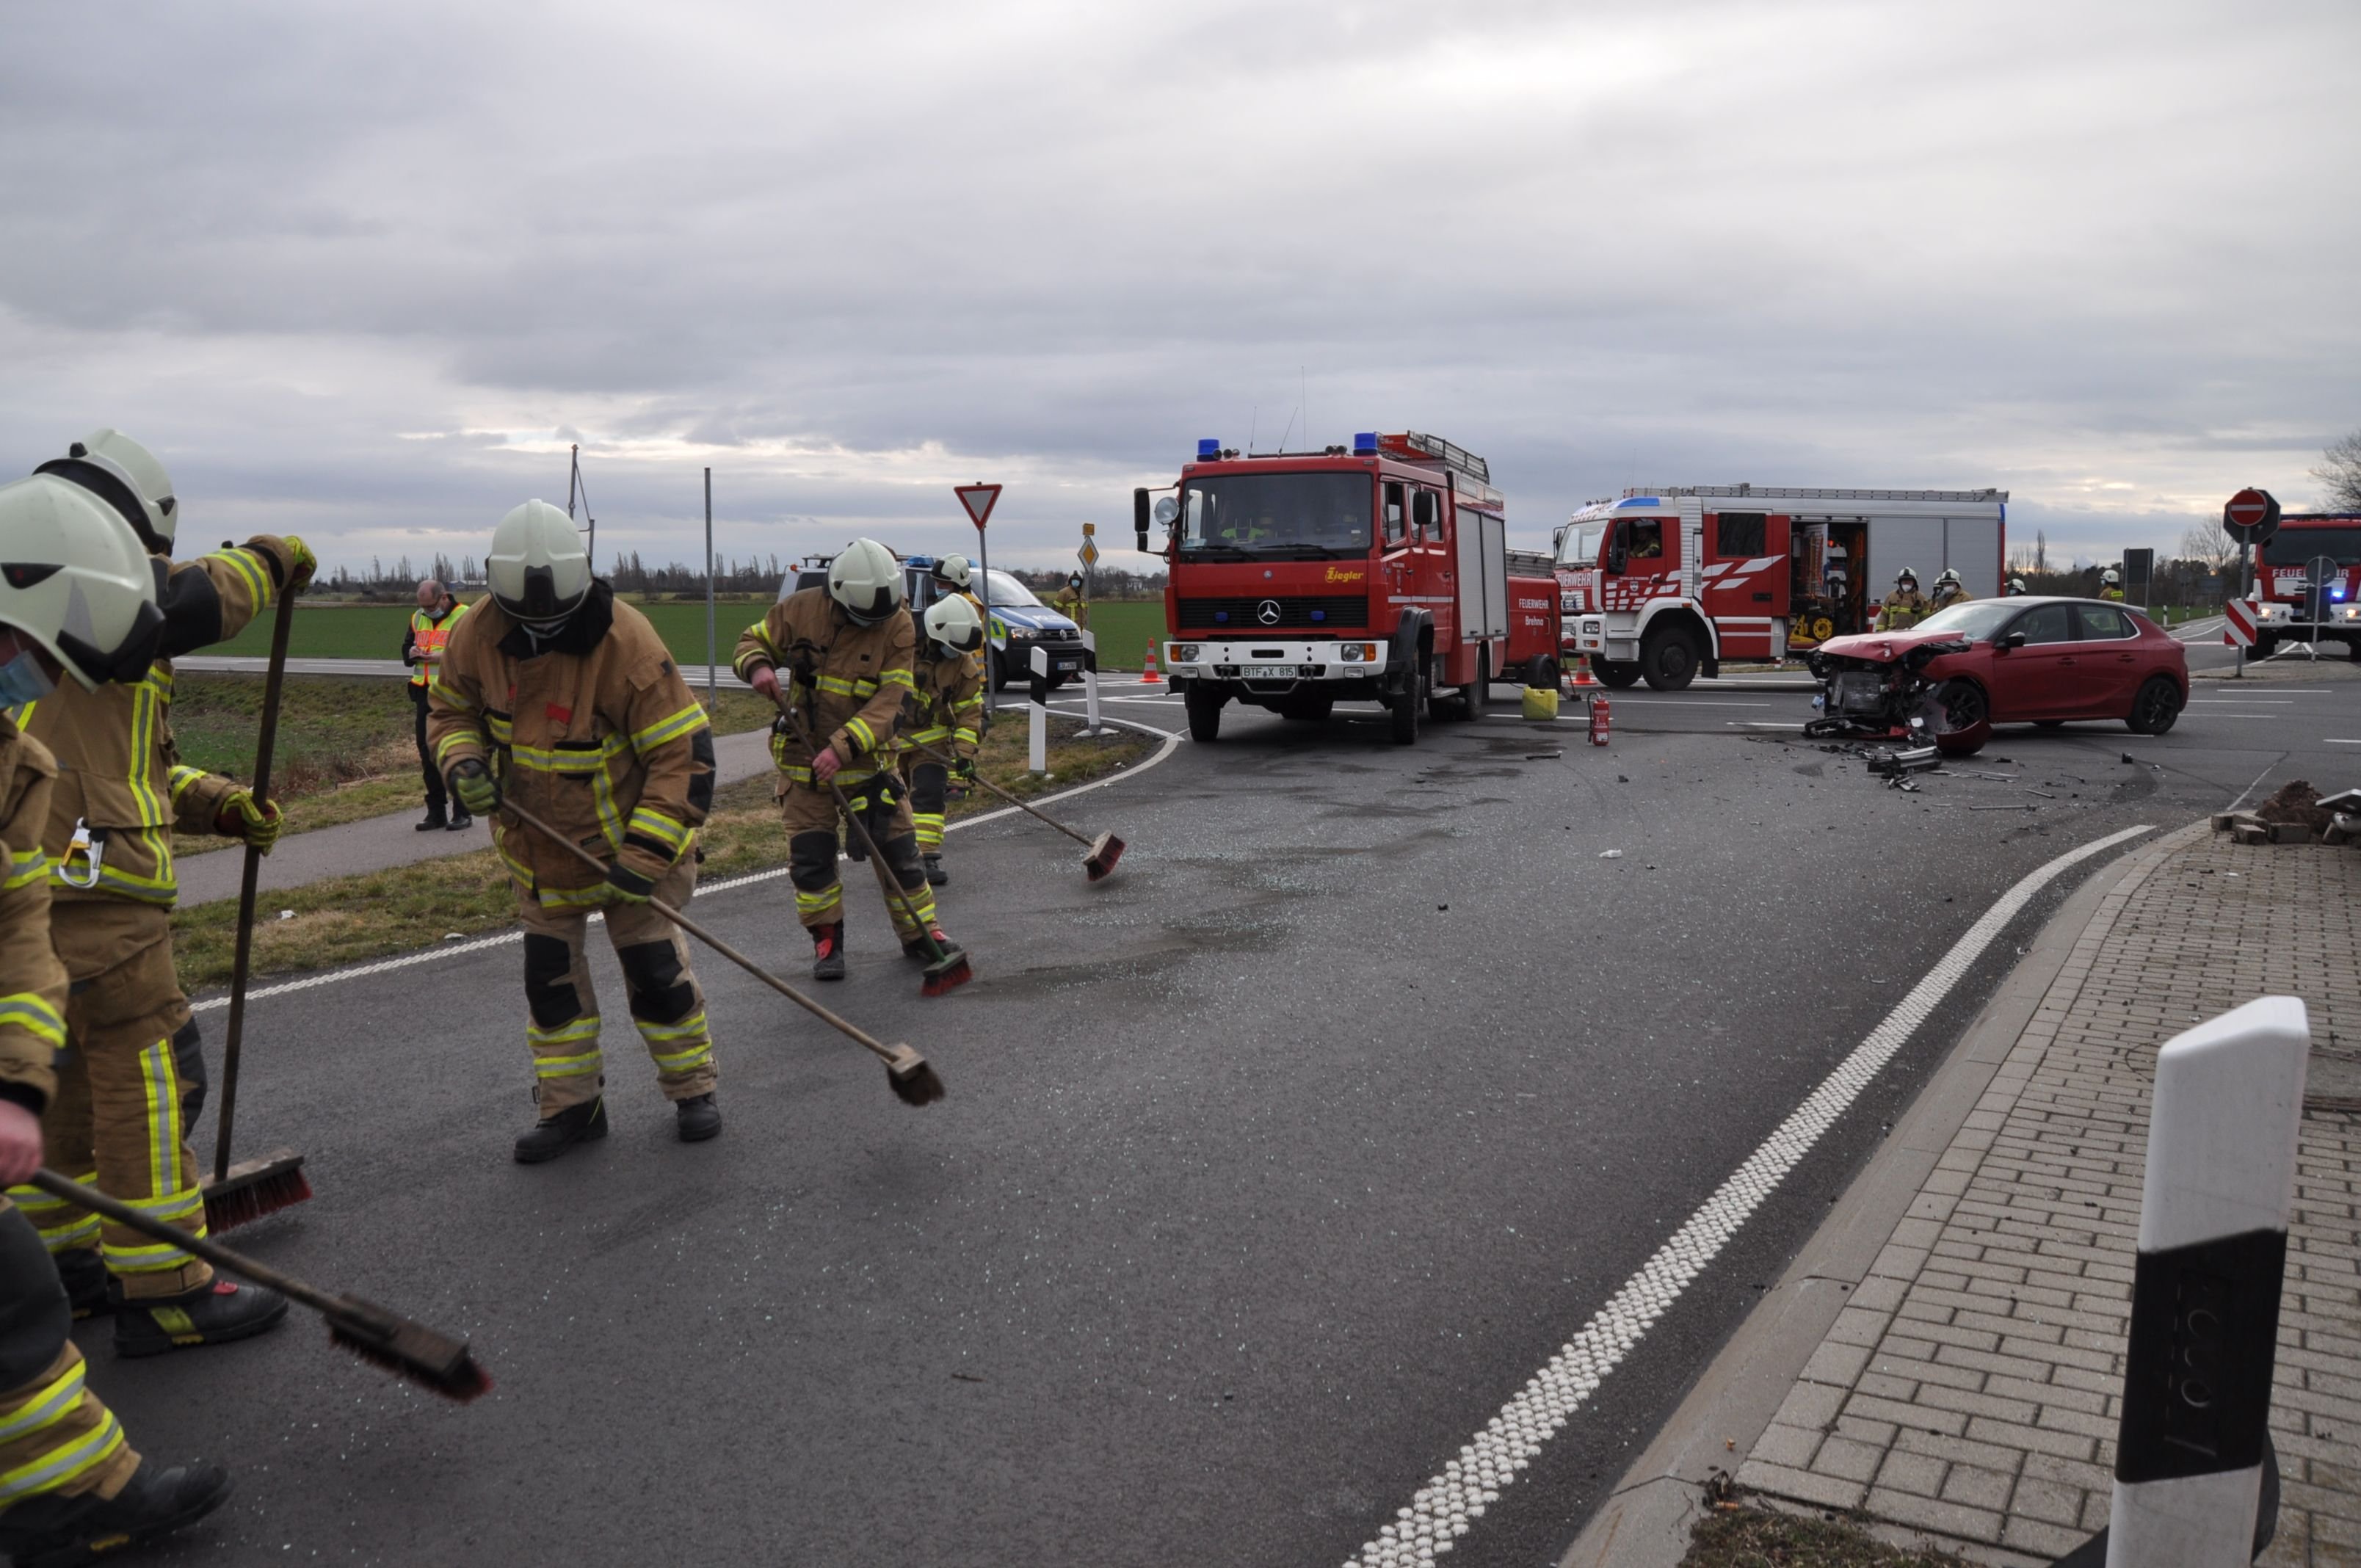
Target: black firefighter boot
column 936, row 875
column 460, row 819
column 917, row 946
column 84, row 1274
column 435, row 820
column 553, row 1135
column 211, row 1314
column 49, row 1531
column 828, row 951
column 697, row 1118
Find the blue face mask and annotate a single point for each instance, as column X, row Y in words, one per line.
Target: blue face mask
column 22, row 680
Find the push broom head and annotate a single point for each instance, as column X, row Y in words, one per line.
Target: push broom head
column 254, row 1188
column 948, row 972
column 1106, row 850
column 406, row 1349
column 912, row 1079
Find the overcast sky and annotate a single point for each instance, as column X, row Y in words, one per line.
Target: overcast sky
column 364, row 273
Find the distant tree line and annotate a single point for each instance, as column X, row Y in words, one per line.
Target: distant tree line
column 755, row 574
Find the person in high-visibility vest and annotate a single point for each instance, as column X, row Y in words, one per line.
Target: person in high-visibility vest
column 431, row 626
column 1069, row 602
column 72, row 1487
column 947, row 719
column 2111, row 584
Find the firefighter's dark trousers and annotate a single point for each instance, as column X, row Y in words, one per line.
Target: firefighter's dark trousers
column 130, row 1083
column 55, row 1436
column 810, row 816
column 666, row 1002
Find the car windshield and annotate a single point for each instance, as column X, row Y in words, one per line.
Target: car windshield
column 2297, row 547
column 1277, row 517
column 1003, row 589
column 1977, row 619
column 1581, row 542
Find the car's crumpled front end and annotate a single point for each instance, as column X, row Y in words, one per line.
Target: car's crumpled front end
column 1877, row 689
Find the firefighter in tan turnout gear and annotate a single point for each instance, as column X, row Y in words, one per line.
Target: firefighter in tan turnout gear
column 556, row 696
column 1948, row 591
column 133, row 1077
column 77, row 605
column 948, row 720
column 1906, row 606
column 839, row 659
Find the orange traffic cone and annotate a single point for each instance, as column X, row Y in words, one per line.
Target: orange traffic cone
column 1582, row 675
column 1148, row 676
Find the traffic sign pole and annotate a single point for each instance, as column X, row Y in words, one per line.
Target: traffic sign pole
column 978, row 499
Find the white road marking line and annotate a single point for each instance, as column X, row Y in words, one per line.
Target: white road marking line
column 1689, row 701
column 1445, row 1507
column 453, row 949
column 2247, row 701
column 2332, row 741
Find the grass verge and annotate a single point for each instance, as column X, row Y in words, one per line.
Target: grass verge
column 350, row 919
column 1741, row 1537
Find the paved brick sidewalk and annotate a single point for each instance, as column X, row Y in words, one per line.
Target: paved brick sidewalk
column 1970, row 1389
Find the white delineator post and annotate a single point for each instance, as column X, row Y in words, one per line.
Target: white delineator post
column 1037, row 749
column 2205, row 1292
column 1091, row 682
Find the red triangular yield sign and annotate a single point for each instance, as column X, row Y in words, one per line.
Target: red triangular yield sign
column 978, row 500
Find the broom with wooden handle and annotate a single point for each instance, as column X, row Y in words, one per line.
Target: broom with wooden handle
column 408, row 1349
column 1100, row 854
column 906, row 1072
column 238, row 1193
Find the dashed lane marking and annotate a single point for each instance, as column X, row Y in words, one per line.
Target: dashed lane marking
column 1448, row 1505
column 454, row 949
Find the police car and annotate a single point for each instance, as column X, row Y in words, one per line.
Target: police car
column 1019, row 622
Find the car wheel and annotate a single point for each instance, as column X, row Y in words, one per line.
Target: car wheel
column 1668, row 661
column 1204, row 712
column 2155, row 706
column 1615, row 674
column 1409, row 705
column 1966, row 718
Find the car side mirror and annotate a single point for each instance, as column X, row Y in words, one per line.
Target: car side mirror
column 2013, row 639
column 1139, row 518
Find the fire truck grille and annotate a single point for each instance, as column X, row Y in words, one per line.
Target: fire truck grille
column 1319, row 613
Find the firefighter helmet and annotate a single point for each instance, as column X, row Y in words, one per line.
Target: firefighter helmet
column 1950, row 575
column 76, row 581
column 1074, row 581
column 2111, row 576
column 954, row 570
column 2015, row 586
column 126, row 476
column 537, row 569
column 952, row 621
column 865, row 581
column 1905, row 575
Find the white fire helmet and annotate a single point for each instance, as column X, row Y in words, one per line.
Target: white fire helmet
column 954, row 570
column 1905, row 575
column 128, row 478
column 74, row 579
column 866, row 581
column 2111, row 576
column 537, row 569
column 952, row 621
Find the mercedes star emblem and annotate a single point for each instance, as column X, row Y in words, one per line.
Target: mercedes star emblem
column 1267, row 612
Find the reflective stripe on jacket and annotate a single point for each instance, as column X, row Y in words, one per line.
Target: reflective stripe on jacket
column 1900, row 611
column 595, row 731
column 428, row 637
column 32, row 980
column 845, row 681
column 119, row 775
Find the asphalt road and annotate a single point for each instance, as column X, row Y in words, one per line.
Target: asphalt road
column 1273, row 1164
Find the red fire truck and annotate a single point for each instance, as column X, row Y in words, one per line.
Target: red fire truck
column 2283, row 584
column 1374, row 572
column 1662, row 584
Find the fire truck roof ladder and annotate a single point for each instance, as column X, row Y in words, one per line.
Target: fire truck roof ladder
column 1434, row 448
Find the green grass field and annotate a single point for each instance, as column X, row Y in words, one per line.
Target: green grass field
column 375, row 630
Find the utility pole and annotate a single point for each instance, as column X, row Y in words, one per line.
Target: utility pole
column 709, row 677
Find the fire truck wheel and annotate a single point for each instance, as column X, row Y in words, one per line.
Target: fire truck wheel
column 2265, row 646
column 2156, row 707
column 1541, row 674
column 1616, row 673
column 1407, row 707
column 1204, row 712
column 1668, row 661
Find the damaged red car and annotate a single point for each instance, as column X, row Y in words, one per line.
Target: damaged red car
column 2007, row 660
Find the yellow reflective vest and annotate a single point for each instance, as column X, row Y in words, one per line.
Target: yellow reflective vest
column 428, row 637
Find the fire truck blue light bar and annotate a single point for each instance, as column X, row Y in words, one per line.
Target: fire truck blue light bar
column 1208, row 448
column 1365, row 445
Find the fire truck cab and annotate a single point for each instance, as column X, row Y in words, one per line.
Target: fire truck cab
column 1664, row 584
column 1374, row 572
column 2287, row 600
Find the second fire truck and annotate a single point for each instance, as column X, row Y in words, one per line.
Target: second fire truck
column 1663, row 584
column 1374, row 572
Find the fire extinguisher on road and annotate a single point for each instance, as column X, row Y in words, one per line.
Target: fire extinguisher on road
column 1599, row 721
